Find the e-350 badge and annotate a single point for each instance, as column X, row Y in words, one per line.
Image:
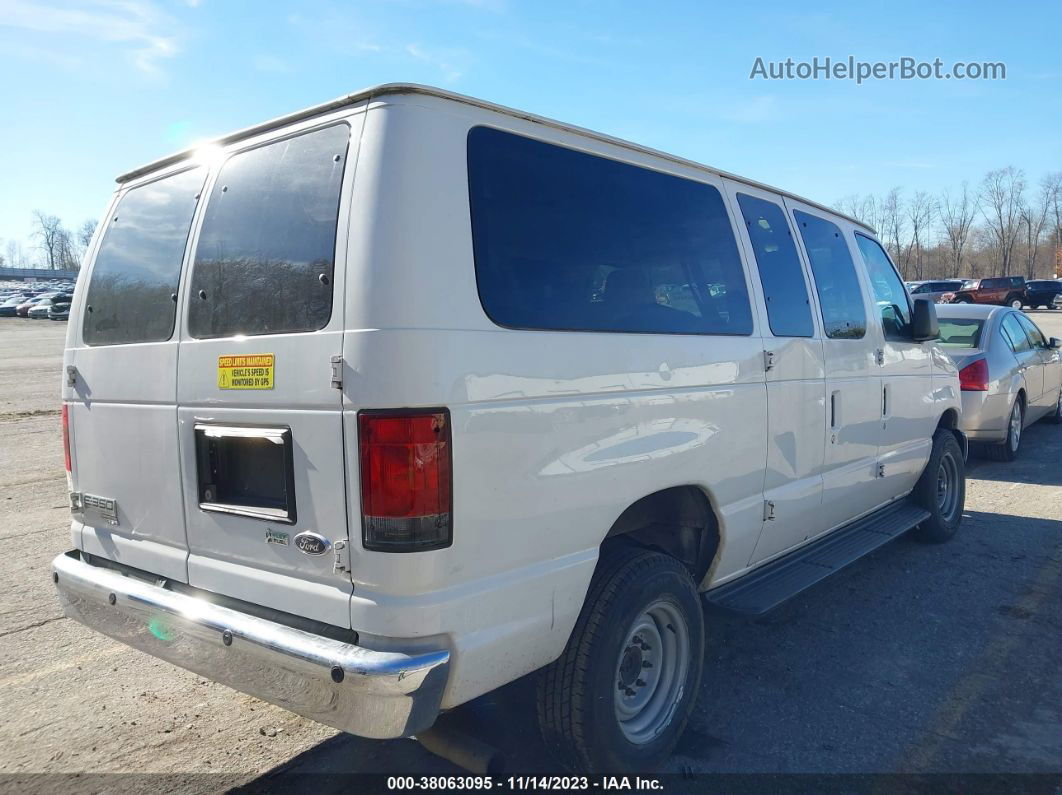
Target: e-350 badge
column 276, row 537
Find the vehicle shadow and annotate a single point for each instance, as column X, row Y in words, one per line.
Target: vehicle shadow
column 878, row 669
column 1037, row 463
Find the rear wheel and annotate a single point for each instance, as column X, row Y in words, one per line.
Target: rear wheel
column 619, row 697
column 1011, row 446
column 942, row 489
column 1014, row 302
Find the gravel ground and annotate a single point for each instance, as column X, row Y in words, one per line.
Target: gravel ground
column 916, row 659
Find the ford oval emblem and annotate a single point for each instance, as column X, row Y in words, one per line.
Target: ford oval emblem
column 311, row 543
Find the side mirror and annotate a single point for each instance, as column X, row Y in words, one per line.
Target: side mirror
column 924, row 325
column 1054, row 343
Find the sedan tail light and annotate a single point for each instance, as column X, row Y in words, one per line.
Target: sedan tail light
column 974, row 377
column 406, row 480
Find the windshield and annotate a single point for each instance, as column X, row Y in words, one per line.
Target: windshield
column 960, row 332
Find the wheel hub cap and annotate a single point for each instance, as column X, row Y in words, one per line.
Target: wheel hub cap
column 651, row 671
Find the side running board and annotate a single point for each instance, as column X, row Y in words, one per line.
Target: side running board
column 776, row 582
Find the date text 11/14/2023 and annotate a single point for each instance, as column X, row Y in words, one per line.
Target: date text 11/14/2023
column 601, row 783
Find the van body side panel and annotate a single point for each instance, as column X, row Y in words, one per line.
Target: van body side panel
column 852, row 404
column 554, row 433
column 795, row 394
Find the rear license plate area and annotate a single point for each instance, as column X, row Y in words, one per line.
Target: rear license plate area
column 246, row 471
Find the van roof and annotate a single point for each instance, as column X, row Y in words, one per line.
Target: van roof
column 387, row 89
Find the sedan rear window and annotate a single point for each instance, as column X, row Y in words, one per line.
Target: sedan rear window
column 961, row 332
column 134, row 280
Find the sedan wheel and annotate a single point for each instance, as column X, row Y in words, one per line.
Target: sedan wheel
column 1008, row 451
column 1055, row 417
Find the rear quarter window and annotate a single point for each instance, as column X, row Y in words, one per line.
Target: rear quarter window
column 134, row 280
column 565, row 240
column 266, row 253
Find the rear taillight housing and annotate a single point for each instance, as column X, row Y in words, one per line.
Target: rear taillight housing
column 66, row 435
column 974, row 377
column 406, row 480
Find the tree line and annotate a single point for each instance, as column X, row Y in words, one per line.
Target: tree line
column 1005, row 226
column 54, row 247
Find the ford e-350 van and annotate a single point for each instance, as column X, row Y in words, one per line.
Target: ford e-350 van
column 378, row 406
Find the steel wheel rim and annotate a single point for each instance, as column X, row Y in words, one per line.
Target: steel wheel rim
column 647, row 695
column 1015, row 427
column 947, row 487
column 1015, row 304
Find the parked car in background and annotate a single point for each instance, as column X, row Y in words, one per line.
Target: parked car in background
column 22, row 310
column 1010, row 374
column 9, row 308
column 60, row 308
column 935, row 290
column 39, row 311
column 1043, row 293
column 1002, row 290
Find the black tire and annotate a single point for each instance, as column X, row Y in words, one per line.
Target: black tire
column 945, row 509
column 577, row 694
column 1014, row 302
column 963, row 300
column 1010, row 448
column 1055, row 417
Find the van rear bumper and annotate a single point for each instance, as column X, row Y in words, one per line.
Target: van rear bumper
column 368, row 693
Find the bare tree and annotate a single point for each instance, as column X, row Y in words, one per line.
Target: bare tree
column 957, row 216
column 1034, row 217
column 862, row 208
column 82, row 239
column 52, row 238
column 1001, row 199
column 890, row 225
column 14, row 254
column 920, row 212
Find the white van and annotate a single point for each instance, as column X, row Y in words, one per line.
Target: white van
column 376, row 407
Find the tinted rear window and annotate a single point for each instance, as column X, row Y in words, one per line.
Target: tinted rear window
column 138, row 267
column 843, row 311
column 960, row 332
column 782, row 277
column 265, row 256
column 564, row 240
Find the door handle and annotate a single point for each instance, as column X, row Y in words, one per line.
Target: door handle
column 885, row 401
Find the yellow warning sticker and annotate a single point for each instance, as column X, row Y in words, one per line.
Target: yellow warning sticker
column 246, row 371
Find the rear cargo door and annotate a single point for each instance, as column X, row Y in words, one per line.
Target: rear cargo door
column 259, row 418
column 121, row 379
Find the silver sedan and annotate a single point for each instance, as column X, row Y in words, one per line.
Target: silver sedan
column 1009, row 372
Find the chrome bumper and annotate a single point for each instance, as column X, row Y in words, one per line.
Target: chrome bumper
column 368, row 693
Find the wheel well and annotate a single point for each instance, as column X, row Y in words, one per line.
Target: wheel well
column 678, row 521
column 950, row 420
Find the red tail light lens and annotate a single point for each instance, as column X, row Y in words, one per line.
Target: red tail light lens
column 66, row 436
column 406, row 480
column 974, row 377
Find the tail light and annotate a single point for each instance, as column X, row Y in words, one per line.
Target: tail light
column 974, row 377
column 66, row 435
column 406, row 480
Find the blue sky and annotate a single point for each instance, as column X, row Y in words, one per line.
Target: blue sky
column 90, row 88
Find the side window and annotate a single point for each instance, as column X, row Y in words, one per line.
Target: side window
column 993, row 284
column 888, row 290
column 1034, row 333
column 138, row 267
column 1015, row 334
column 788, row 306
column 264, row 261
column 564, row 240
column 843, row 313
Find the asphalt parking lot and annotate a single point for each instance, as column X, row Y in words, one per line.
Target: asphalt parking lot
column 917, row 659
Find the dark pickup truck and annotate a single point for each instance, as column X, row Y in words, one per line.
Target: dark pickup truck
column 1002, row 290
